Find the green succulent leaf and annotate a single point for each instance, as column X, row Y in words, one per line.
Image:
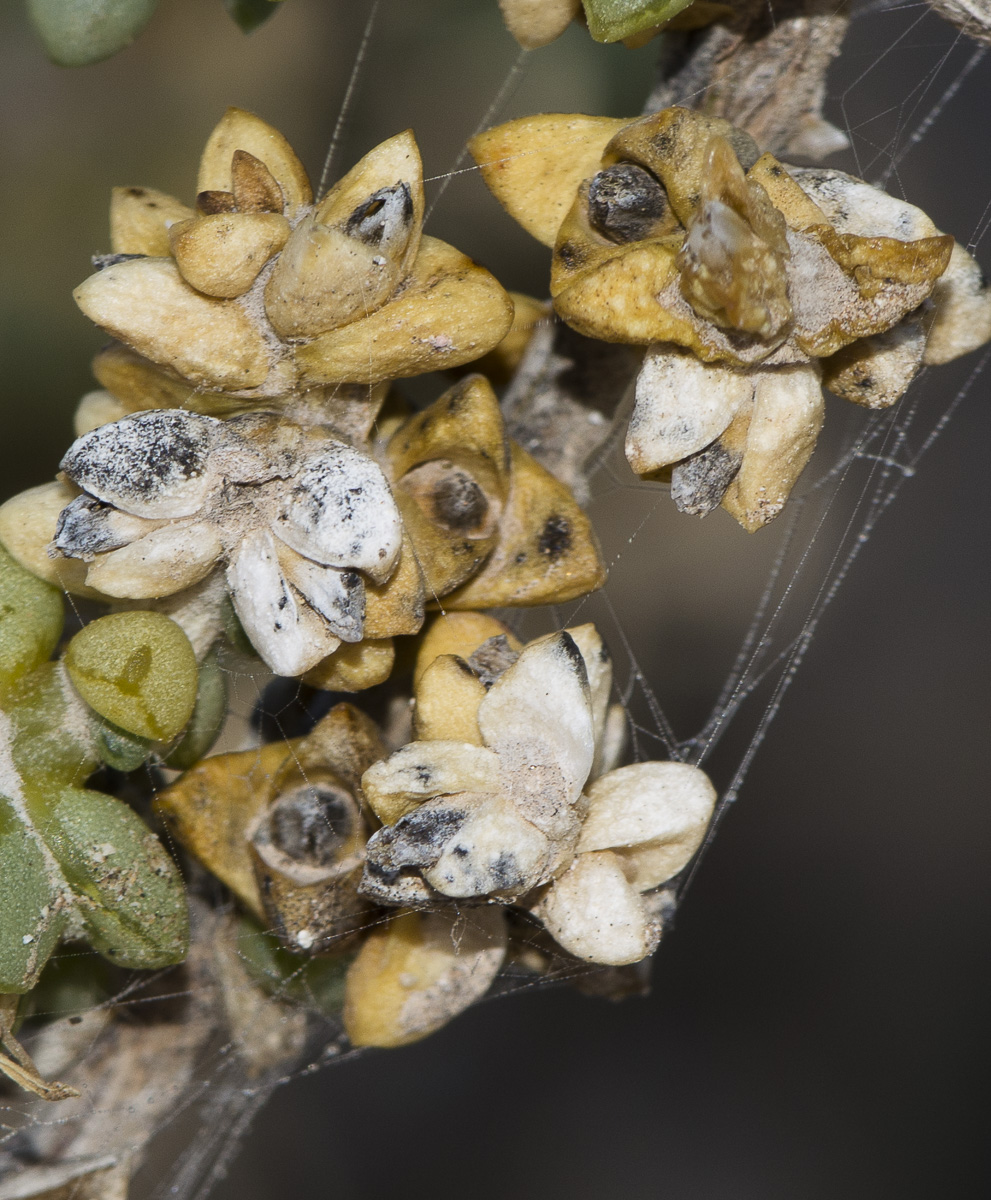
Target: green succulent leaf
column 138, row 670
column 129, row 891
column 72, row 983
column 315, row 983
column 613, row 20
column 32, row 916
column 122, row 750
column 65, row 850
column 249, row 14
column 208, row 715
column 76, row 33
column 31, row 619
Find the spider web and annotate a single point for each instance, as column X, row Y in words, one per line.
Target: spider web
column 708, row 627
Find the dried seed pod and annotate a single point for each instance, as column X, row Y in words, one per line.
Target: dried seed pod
column 341, row 291
column 546, row 550
column 421, row 970
column 676, row 233
column 497, row 818
column 282, row 826
column 350, row 254
column 451, row 477
column 300, row 518
column 308, row 852
column 519, row 810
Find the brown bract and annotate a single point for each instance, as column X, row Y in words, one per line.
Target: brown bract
column 283, row 828
column 260, row 291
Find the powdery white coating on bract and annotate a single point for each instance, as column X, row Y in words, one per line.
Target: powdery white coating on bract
column 88, row 526
column 595, row 915
column 297, row 515
column 273, row 619
column 538, row 718
column 164, row 561
column 853, row 206
column 340, row 512
column 338, row 596
column 421, row 770
column 464, row 845
column 682, row 405
column 151, row 465
column 494, row 852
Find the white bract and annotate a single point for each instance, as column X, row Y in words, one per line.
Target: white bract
column 527, row 818
column 296, row 515
column 740, row 436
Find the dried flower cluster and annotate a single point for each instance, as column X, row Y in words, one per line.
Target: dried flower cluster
column 246, row 481
column 250, row 491
column 751, row 284
column 508, row 800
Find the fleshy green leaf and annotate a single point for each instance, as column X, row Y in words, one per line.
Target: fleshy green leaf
column 79, row 32
column 54, row 743
column 613, row 20
column 71, row 983
column 316, row 983
column 249, row 14
column 31, row 618
column 208, row 715
column 30, row 918
column 138, row 670
column 130, row 893
column 121, row 750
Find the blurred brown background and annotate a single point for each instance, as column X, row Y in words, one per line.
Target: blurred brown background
column 818, row 1026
